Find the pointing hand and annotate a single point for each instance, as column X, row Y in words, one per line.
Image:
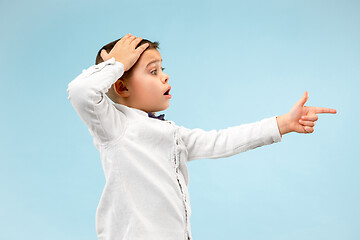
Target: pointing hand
column 300, row 118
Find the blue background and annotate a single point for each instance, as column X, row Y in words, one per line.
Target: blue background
column 230, row 62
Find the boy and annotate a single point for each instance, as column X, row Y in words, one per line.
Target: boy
column 144, row 158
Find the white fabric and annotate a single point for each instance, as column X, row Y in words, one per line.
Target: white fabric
column 144, row 159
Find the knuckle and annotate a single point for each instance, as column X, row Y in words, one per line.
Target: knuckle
column 309, row 129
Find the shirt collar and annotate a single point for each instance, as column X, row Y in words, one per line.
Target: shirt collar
column 130, row 109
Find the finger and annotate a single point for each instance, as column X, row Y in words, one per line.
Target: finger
column 136, row 42
column 130, row 39
column 121, row 41
column 322, row 110
column 125, row 37
column 308, row 129
column 303, row 99
column 142, row 48
column 103, row 54
column 307, row 123
column 310, row 118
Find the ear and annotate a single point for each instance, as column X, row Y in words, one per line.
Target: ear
column 120, row 88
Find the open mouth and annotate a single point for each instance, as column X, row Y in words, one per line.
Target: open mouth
column 167, row 92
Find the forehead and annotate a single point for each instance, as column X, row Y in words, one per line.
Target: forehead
column 149, row 56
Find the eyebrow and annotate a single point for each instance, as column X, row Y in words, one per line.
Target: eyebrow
column 153, row 61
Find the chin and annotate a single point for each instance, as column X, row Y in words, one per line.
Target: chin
column 166, row 107
column 162, row 108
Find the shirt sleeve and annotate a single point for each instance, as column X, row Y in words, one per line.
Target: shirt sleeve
column 87, row 96
column 230, row 141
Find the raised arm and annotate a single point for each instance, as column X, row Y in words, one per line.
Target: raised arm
column 87, row 96
column 87, row 91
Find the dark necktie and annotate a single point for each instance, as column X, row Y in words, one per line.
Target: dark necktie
column 160, row 117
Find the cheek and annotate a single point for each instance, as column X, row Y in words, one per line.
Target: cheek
column 144, row 88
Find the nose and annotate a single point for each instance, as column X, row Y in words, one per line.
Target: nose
column 165, row 78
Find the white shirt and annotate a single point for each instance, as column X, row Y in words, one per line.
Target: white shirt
column 144, row 159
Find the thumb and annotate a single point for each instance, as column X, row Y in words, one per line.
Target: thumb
column 104, row 55
column 304, row 98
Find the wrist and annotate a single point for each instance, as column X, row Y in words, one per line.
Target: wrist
column 126, row 67
column 283, row 124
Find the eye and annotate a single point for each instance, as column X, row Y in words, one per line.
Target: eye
column 154, row 72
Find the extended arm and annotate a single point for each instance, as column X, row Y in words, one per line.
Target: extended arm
column 230, row 141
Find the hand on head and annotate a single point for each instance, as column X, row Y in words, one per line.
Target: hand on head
column 124, row 51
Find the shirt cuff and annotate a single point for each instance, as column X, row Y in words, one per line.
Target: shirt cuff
column 271, row 130
column 118, row 68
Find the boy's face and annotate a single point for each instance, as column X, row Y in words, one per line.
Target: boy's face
column 148, row 85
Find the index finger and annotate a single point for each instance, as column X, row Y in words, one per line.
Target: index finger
column 142, row 47
column 323, row 110
column 136, row 42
